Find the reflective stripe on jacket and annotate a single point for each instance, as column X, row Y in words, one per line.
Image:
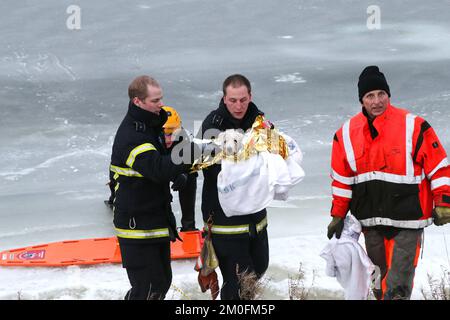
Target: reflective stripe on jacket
column 237, row 229
column 142, row 234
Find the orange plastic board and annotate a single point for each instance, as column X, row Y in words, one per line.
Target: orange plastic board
column 90, row 251
column 189, row 248
column 76, row 252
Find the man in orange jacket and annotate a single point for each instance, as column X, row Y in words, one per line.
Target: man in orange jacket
column 391, row 171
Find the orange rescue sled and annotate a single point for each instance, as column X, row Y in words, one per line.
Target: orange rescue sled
column 90, row 251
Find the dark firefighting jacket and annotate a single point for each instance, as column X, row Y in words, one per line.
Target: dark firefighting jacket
column 142, row 169
column 236, row 226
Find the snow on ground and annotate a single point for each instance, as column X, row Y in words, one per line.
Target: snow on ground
column 286, row 255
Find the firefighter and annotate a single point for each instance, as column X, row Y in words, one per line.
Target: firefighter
column 391, row 171
column 240, row 242
column 174, row 133
column 141, row 169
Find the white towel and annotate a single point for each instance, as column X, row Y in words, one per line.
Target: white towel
column 246, row 187
column 348, row 262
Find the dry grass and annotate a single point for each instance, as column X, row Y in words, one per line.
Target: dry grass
column 439, row 289
column 297, row 287
column 251, row 287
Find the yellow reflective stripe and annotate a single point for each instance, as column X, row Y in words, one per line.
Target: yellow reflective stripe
column 142, row 234
column 137, row 151
column 125, row 171
column 116, row 176
column 261, row 225
column 239, row 229
column 229, row 229
column 116, row 187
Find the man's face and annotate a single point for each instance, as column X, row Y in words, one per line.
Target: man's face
column 237, row 100
column 375, row 102
column 153, row 101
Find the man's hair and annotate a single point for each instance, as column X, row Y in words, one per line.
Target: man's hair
column 236, row 80
column 138, row 87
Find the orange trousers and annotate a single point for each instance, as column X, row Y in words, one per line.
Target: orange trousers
column 396, row 254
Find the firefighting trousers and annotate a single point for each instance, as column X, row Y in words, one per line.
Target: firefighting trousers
column 240, row 257
column 187, row 204
column 149, row 270
column 397, row 259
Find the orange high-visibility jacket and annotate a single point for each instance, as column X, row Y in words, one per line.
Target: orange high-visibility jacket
column 392, row 175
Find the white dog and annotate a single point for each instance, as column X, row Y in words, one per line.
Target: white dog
column 230, row 141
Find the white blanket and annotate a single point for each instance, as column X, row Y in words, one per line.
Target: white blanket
column 348, row 262
column 246, row 187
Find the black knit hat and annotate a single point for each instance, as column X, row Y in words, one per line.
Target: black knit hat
column 371, row 79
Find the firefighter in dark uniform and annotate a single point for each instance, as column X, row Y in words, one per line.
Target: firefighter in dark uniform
column 186, row 184
column 240, row 242
column 142, row 169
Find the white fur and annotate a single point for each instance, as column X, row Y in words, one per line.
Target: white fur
column 230, row 141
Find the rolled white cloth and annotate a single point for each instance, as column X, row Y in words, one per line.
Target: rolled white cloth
column 347, row 261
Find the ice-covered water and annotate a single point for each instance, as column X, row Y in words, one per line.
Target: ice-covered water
column 63, row 93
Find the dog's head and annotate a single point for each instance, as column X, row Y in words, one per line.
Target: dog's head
column 230, row 141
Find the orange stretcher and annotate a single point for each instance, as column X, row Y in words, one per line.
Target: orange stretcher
column 90, row 252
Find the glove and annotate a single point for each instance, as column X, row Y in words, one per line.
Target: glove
column 180, row 182
column 173, row 233
column 110, row 201
column 209, row 282
column 441, row 215
column 335, row 227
